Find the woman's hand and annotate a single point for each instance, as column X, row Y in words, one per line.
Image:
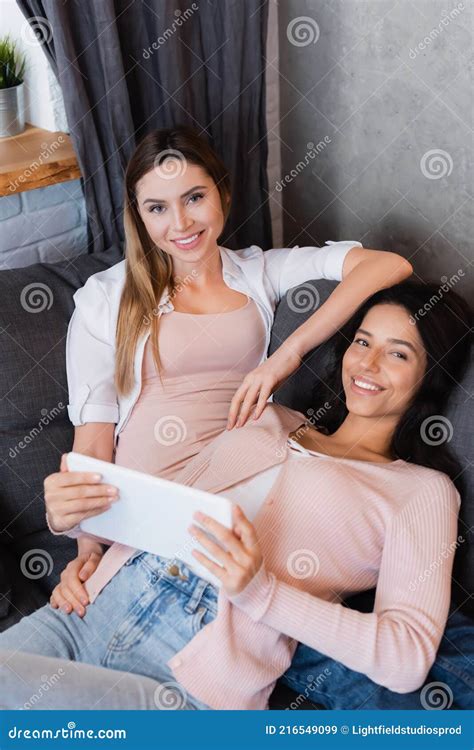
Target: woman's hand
column 240, row 560
column 71, row 496
column 259, row 384
column 70, row 594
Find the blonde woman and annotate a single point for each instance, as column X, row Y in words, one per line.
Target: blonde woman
column 168, row 347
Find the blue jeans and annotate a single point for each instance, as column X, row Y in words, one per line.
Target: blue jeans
column 329, row 683
column 147, row 613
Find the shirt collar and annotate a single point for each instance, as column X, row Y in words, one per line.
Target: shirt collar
column 229, row 266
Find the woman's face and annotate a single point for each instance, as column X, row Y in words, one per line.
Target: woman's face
column 384, row 365
column 181, row 209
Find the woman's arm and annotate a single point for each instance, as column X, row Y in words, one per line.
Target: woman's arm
column 93, row 409
column 364, row 272
column 396, row 644
column 97, row 440
column 90, row 364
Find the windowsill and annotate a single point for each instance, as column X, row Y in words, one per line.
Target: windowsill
column 36, row 158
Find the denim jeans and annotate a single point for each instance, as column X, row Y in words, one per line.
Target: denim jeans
column 450, row 682
column 147, row 613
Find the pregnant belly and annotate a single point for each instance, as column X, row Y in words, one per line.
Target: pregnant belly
column 170, row 425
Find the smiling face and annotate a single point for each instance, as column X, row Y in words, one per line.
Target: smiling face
column 384, row 365
column 182, row 214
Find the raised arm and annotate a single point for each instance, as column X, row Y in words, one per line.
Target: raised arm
column 362, row 272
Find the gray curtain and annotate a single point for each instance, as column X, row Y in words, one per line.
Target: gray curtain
column 127, row 67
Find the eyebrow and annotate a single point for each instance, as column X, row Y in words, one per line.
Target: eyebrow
column 184, row 195
column 392, row 341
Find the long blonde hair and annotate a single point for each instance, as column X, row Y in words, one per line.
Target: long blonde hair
column 149, row 270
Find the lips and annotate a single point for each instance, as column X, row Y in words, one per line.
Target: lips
column 188, row 242
column 365, row 387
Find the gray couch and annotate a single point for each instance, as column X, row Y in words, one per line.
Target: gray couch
column 36, row 304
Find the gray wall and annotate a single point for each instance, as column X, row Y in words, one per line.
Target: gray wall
column 377, row 85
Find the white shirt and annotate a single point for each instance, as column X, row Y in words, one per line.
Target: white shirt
column 251, row 493
column 90, row 345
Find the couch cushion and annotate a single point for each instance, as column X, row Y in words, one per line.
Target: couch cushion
column 300, row 392
column 36, row 305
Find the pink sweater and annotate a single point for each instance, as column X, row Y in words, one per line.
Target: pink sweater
column 329, row 528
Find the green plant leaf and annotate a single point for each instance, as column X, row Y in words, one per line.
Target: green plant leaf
column 12, row 64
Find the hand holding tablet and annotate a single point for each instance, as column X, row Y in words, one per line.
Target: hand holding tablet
column 151, row 514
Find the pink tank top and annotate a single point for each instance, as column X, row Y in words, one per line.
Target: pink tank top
column 204, row 360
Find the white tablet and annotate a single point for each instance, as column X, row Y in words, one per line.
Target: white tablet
column 152, row 514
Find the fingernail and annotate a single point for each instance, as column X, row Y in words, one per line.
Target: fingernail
column 112, row 491
column 84, row 600
column 65, row 608
column 79, row 612
column 96, row 477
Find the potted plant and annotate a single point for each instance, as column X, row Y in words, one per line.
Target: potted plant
column 12, row 68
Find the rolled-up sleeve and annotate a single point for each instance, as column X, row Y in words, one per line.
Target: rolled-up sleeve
column 90, row 358
column 289, row 267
